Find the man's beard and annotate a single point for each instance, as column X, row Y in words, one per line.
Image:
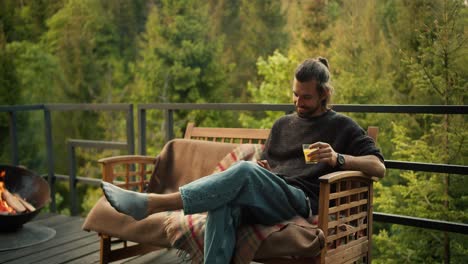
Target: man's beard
column 307, row 111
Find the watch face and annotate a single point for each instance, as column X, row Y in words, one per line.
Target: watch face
column 341, row 160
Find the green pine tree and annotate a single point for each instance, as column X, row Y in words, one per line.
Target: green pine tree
column 179, row 61
column 436, row 74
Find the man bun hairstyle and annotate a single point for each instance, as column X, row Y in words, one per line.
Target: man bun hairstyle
column 324, row 61
column 316, row 69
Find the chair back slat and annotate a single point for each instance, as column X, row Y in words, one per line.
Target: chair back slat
column 231, row 135
column 373, row 131
column 128, row 172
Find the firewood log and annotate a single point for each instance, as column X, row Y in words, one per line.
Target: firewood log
column 28, row 206
column 13, row 202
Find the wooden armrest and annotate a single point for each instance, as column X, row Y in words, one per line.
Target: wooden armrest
column 128, row 159
column 345, row 214
column 128, row 171
column 340, row 175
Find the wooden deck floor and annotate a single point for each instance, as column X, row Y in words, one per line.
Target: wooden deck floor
column 72, row 245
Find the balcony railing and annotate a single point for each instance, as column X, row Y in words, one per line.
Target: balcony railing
column 169, row 110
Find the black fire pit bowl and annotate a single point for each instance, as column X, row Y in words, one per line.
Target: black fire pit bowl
column 30, row 187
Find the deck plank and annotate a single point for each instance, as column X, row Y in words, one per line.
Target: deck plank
column 56, row 254
column 92, row 258
column 50, row 245
column 66, row 232
column 73, row 245
column 85, row 247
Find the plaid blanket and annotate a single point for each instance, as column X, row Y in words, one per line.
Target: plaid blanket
column 186, row 232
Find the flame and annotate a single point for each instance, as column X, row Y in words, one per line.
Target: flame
column 4, row 207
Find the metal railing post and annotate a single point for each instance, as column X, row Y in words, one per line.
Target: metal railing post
column 130, row 130
column 141, row 131
column 72, row 179
column 169, row 117
column 13, row 137
column 50, row 158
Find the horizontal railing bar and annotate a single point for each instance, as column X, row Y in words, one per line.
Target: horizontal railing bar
column 427, row 167
column 73, row 107
column 97, row 144
column 86, row 180
column 403, row 109
column 421, row 222
column 218, row 106
column 14, row 108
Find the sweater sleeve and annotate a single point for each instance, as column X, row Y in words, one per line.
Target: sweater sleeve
column 361, row 144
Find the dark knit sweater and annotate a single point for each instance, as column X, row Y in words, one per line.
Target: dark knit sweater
column 283, row 149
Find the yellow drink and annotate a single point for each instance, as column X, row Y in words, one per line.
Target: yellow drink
column 309, row 159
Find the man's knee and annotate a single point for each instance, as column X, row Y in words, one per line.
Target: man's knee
column 245, row 167
column 249, row 171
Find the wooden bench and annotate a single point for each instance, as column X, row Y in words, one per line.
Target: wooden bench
column 345, row 203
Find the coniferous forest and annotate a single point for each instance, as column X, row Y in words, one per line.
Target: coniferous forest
column 393, row 52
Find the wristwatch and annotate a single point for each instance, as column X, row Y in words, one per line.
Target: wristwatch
column 340, row 160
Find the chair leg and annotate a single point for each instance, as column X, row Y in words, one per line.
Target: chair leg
column 105, row 249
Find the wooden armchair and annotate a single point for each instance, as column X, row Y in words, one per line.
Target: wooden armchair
column 345, row 206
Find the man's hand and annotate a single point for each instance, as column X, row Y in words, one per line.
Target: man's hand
column 369, row 164
column 264, row 164
column 324, row 153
